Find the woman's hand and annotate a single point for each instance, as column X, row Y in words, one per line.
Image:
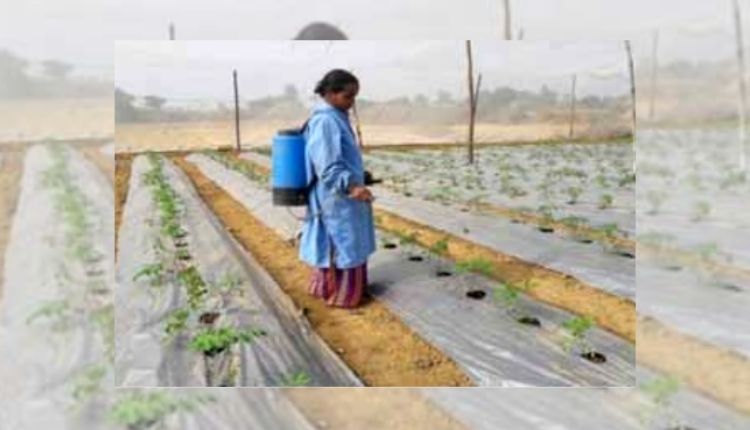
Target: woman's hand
column 361, row 193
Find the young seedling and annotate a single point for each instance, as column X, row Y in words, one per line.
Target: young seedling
column 153, row 272
column 410, row 239
column 508, row 294
column 660, row 392
column 439, row 249
column 212, row 341
column 194, row 285
column 176, row 322
column 577, row 329
column 609, row 230
column 547, row 219
column 476, row 265
column 701, row 210
column 145, row 410
column 297, row 379
column 59, row 312
column 605, row 201
column 88, row 382
column 574, row 193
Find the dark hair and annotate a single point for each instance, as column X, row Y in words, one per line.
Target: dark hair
column 320, row 31
column 335, row 81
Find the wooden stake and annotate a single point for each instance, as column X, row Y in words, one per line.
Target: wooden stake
column 654, row 71
column 236, row 111
column 506, row 7
column 470, row 77
column 629, row 53
column 357, row 127
column 742, row 96
column 572, row 106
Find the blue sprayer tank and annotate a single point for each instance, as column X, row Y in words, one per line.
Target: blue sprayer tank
column 288, row 174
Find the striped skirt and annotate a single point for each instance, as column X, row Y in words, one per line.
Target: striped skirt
column 340, row 287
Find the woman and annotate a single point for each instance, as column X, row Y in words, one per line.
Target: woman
column 338, row 235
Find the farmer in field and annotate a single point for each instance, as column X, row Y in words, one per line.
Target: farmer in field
column 338, row 235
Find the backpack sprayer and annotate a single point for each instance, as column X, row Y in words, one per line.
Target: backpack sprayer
column 289, row 182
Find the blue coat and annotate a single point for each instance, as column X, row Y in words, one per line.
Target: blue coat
column 333, row 156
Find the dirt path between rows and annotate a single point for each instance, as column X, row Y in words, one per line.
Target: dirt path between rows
column 719, row 374
column 104, row 162
column 122, row 182
column 373, row 342
column 370, row 408
column 11, row 170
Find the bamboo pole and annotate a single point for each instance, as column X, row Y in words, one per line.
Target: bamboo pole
column 236, row 111
column 572, row 119
column 654, row 71
column 629, row 53
column 357, row 128
column 470, row 77
column 506, row 7
column 742, row 101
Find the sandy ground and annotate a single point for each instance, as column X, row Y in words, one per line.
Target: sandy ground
column 122, row 182
column 202, row 135
column 371, row 340
column 58, row 119
column 102, row 161
column 722, row 375
column 11, row 170
column 370, row 408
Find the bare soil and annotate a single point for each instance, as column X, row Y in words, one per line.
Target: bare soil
column 11, row 170
column 122, row 182
column 370, row 409
column 718, row 373
column 102, row 161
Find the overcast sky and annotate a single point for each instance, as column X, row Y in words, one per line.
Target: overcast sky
column 189, row 71
column 83, row 31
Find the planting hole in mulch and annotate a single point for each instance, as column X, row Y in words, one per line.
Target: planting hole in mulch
column 527, row 320
column 180, row 244
column 625, row 254
column 728, row 286
column 594, row 357
column 416, row 258
column 546, row 229
column 208, row 317
column 673, row 268
column 515, row 221
column 94, row 272
column 443, row 274
column 476, row 294
column 214, row 352
column 390, row 245
column 584, row 240
column 181, row 234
